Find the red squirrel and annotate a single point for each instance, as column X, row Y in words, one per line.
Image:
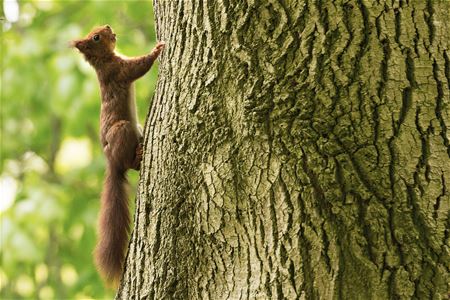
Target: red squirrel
column 121, row 138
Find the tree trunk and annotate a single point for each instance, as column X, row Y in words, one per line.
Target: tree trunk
column 296, row 150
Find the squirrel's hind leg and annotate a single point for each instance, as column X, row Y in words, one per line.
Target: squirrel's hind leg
column 122, row 145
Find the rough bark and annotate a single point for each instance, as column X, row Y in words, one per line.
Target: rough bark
column 296, row 150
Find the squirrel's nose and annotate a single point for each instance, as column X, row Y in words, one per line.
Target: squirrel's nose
column 75, row 44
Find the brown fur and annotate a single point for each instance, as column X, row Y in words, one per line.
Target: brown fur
column 121, row 139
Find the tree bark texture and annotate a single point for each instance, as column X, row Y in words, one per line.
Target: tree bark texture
column 296, row 150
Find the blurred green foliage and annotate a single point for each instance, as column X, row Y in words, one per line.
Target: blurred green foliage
column 51, row 162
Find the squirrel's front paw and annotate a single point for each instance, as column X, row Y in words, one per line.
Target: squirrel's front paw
column 159, row 47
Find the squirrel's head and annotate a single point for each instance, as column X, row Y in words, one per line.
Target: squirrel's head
column 100, row 42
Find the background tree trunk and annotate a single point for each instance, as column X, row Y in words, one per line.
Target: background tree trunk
column 296, row 149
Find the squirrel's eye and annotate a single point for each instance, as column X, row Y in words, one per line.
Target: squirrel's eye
column 96, row 38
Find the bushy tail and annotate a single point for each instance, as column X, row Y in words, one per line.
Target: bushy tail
column 114, row 227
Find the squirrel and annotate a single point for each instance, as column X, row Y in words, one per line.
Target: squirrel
column 121, row 138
